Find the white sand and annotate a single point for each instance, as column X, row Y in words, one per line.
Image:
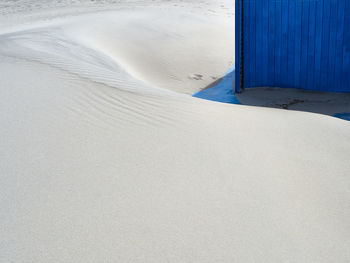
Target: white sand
column 104, row 157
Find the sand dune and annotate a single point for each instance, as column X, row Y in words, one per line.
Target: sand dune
column 105, row 157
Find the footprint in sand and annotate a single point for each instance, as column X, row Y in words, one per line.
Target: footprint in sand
column 196, row 76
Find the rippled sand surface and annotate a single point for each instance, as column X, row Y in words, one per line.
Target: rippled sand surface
column 105, row 156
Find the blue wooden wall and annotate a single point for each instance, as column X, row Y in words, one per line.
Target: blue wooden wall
column 293, row 43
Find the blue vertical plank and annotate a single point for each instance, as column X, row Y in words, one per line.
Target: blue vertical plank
column 297, row 57
column 339, row 45
column 252, row 49
column 291, row 42
column 246, row 31
column 318, row 44
column 304, row 42
column 311, row 46
column 271, row 43
column 284, row 44
column 265, row 35
column 325, row 44
column 332, row 44
column 259, row 41
column 278, row 42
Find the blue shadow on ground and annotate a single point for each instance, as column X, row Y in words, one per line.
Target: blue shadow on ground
column 344, row 116
column 223, row 91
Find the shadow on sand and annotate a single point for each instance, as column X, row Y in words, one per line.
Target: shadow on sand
column 328, row 103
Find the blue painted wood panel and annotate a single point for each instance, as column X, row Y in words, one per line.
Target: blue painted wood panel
column 293, row 44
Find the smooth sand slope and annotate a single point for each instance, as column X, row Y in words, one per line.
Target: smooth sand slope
column 104, row 157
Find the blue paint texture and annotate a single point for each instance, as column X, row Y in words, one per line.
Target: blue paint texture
column 223, row 92
column 301, row 44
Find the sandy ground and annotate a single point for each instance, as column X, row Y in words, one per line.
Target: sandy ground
column 104, row 157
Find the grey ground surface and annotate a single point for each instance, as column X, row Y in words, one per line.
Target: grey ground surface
column 328, row 103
